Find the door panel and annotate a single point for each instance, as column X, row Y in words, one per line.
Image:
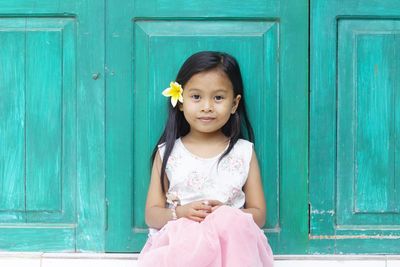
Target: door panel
column 245, row 40
column 12, row 62
column 33, row 177
column 159, row 44
column 46, row 174
column 367, row 180
column 355, row 70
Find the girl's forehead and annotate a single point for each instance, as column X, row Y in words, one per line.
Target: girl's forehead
column 209, row 80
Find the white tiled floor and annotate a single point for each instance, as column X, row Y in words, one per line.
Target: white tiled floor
column 329, row 263
column 18, row 262
column 129, row 260
column 89, row 263
column 67, row 260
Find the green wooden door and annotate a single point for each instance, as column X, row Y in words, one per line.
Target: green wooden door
column 355, row 127
column 146, row 43
column 80, row 101
column 51, row 126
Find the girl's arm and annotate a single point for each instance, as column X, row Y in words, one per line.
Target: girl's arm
column 253, row 190
column 156, row 215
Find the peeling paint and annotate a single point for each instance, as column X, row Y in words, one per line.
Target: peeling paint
column 330, row 212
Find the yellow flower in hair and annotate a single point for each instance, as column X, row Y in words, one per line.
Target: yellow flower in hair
column 175, row 92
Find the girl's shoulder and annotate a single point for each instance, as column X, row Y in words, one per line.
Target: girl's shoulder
column 243, row 144
column 242, row 149
column 162, row 147
column 164, row 143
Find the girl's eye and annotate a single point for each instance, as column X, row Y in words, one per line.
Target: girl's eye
column 195, row 97
column 219, row 98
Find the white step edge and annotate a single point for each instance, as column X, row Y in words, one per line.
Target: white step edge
column 39, row 259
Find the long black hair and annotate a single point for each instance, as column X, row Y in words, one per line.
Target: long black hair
column 177, row 125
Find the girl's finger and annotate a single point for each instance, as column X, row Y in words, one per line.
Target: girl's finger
column 200, row 213
column 205, row 208
column 205, row 202
column 214, row 202
column 202, row 206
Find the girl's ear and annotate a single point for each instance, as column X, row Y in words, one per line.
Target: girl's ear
column 180, row 106
column 236, row 101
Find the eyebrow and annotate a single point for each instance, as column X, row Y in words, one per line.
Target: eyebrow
column 216, row 91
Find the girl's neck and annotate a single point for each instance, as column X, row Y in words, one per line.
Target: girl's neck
column 205, row 145
column 210, row 138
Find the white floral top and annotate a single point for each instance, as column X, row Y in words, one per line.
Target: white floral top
column 193, row 178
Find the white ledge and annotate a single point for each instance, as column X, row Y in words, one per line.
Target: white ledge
column 40, row 259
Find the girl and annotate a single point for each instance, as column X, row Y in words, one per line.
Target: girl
column 205, row 192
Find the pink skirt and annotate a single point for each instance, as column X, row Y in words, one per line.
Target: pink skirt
column 227, row 237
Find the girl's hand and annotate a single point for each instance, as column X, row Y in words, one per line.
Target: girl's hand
column 215, row 204
column 196, row 211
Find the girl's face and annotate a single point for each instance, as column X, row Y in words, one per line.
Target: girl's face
column 208, row 101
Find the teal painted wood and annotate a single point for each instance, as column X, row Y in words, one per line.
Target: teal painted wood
column 353, row 173
column 244, row 40
column 366, row 136
column 239, row 39
column 37, row 111
column 91, row 205
column 85, row 158
column 38, row 238
column 322, row 123
column 293, row 127
column 12, row 87
column 159, row 48
column 119, row 125
column 397, row 123
column 53, row 127
column 59, row 187
column 206, row 9
column 43, row 121
column 237, row 42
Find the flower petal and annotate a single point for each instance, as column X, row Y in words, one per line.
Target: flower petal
column 167, row 92
column 174, row 100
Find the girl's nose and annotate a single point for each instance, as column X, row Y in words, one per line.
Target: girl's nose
column 207, row 107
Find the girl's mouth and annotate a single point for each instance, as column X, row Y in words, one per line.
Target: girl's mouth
column 206, row 119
